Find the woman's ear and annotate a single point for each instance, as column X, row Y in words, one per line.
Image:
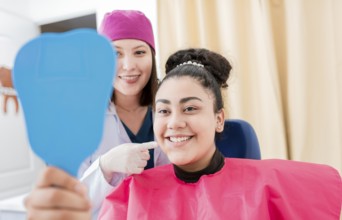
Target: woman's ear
column 220, row 121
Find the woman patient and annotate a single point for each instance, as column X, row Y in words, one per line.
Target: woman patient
column 200, row 183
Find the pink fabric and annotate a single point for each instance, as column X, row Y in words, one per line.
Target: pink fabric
column 243, row 189
column 127, row 24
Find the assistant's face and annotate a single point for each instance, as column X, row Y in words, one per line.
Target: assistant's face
column 134, row 66
column 185, row 123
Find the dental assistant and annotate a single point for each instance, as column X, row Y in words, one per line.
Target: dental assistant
column 126, row 146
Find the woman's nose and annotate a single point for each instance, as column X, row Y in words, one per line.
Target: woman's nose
column 176, row 121
column 128, row 63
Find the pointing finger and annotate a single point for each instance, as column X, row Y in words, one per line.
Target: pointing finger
column 148, row 145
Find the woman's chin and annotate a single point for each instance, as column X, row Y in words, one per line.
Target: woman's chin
column 178, row 160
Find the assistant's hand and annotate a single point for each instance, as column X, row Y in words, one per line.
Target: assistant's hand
column 58, row 195
column 127, row 158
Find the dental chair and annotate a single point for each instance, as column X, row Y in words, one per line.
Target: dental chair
column 238, row 140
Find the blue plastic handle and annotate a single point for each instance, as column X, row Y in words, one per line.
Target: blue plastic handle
column 64, row 83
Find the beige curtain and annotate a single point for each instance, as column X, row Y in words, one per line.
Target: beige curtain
column 287, row 67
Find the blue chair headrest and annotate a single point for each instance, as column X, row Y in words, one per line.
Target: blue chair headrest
column 238, row 140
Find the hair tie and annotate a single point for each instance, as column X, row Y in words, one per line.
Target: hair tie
column 191, row 63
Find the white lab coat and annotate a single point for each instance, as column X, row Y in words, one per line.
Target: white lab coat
column 90, row 173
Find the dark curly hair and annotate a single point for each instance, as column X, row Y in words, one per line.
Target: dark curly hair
column 212, row 72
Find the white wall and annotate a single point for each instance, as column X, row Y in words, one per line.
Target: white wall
column 15, row 29
column 44, row 12
column 18, row 166
column 18, row 7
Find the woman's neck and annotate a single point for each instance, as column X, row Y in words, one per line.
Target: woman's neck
column 130, row 112
column 216, row 164
column 127, row 103
column 200, row 164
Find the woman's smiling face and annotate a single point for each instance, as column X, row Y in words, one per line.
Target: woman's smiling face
column 185, row 122
column 134, row 66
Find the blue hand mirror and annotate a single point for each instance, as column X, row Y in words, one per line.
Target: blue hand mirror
column 64, row 83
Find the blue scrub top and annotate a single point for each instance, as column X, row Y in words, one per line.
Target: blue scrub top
column 145, row 134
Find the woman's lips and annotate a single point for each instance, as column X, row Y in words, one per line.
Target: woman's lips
column 130, row 79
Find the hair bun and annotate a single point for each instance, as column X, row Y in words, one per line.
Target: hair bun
column 213, row 62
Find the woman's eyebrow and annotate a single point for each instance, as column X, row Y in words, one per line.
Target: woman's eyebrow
column 165, row 101
column 140, row 46
column 186, row 99
column 182, row 101
column 134, row 48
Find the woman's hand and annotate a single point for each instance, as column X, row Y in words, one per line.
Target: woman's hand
column 127, row 158
column 58, row 195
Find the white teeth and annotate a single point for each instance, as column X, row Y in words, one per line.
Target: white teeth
column 179, row 139
column 128, row 77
